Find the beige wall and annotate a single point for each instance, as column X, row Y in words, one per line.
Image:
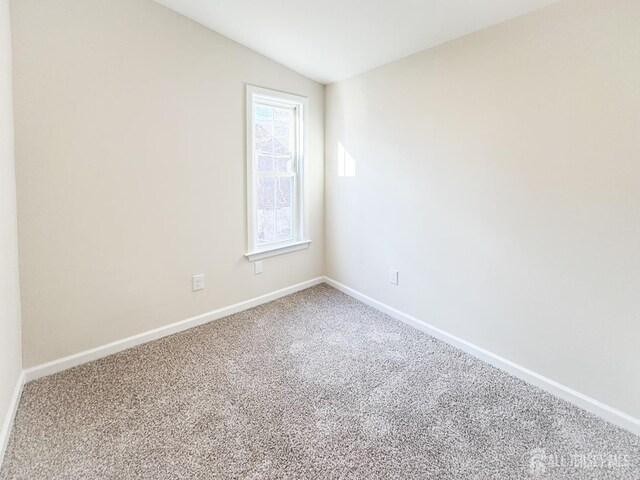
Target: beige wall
column 500, row 174
column 131, row 163
column 10, row 350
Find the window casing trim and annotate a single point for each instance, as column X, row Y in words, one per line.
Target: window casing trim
column 301, row 238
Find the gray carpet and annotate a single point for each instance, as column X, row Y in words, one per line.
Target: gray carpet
column 314, row 385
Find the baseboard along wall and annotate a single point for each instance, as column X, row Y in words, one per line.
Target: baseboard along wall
column 80, row 358
column 7, row 424
column 65, row 363
column 596, row 407
column 585, row 402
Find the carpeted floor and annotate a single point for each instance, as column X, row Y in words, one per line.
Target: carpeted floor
column 314, row 385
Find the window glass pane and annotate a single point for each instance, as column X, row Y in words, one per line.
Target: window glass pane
column 274, row 133
column 263, row 129
column 275, row 209
column 282, row 131
column 283, row 164
column 273, row 163
column 265, row 163
column 266, row 206
column 285, row 208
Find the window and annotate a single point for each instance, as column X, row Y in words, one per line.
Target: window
column 276, row 154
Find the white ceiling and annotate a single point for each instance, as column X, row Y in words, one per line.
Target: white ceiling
column 329, row 40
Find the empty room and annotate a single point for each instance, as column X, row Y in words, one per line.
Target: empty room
column 334, row 239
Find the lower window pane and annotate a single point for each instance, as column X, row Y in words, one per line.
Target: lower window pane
column 284, row 216
column 275, row 209
column 266, row 210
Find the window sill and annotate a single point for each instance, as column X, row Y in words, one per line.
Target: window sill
column 277, row 250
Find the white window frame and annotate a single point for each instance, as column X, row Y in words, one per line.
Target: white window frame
column 301, row 238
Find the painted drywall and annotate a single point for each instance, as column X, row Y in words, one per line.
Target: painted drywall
column 130, row 151
column 10, row 341
column 500, row 174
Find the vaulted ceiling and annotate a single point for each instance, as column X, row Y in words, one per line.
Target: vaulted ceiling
column 329, row 40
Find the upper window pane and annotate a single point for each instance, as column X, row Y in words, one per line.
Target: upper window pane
column 283, row 131
column 274, row 138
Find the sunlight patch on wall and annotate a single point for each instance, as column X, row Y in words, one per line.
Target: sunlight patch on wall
column 346, row 163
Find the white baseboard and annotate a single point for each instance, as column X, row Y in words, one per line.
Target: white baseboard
column 65, row 363
column 596, row 407
column 5, row 432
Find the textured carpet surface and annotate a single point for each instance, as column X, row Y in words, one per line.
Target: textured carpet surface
column 314, row 385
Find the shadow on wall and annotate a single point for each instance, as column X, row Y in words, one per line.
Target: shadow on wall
column 346, row 163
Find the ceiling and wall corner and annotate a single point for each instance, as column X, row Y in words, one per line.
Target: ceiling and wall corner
column 332, row 40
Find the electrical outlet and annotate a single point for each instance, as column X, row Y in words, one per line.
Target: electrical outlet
column 257, row 267
column 197, row 282
column 393, row 277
